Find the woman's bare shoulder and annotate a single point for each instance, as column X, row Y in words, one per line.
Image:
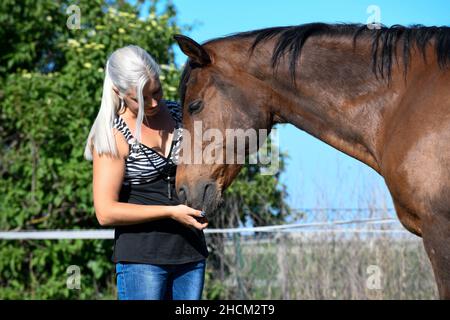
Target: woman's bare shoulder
column 121, row 143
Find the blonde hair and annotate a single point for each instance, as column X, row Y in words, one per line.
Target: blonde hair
column 126, row 68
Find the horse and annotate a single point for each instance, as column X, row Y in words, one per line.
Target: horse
column 380, row 95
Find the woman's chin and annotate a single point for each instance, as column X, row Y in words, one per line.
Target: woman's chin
column 151, row 112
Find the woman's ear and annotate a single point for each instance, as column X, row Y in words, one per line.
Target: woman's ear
column 116, row 91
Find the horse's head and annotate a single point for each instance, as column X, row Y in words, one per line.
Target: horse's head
column 217, row 95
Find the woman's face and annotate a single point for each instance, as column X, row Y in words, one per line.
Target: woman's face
column 152, row 94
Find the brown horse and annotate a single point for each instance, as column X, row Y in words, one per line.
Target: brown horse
column 381, row 96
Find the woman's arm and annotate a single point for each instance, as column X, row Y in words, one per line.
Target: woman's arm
column 108, row 173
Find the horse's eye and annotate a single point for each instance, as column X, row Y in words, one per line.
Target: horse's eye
column 195, row 106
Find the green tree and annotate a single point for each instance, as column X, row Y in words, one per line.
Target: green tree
column 51, row 80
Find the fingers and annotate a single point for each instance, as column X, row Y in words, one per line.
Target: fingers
column 199, row 224
column 202, row 219
column 193, row 218
column 197, row 213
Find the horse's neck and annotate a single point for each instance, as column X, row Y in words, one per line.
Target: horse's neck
column 337, row 98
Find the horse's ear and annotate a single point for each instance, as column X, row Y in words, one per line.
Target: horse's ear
column 193, row 50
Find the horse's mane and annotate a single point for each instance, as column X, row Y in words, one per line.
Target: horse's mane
column 384, row 40
column 291, row 39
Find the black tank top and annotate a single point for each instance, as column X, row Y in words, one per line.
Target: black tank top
column 146, row 182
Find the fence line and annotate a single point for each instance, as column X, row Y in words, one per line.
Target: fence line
column 109, row 234
column 57, row 234
column 300, row 225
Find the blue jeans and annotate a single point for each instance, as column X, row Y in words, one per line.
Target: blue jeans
column 137, row 281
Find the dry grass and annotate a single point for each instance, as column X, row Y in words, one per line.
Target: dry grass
column 325, row 265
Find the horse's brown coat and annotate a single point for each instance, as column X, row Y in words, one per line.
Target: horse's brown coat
column 398, row 124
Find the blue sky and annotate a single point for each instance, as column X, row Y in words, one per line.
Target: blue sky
column 317, row 175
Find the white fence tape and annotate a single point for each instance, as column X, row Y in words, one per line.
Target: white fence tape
column 109, row 234
column 298, row 226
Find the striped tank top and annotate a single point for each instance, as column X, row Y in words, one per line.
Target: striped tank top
column 143, row 163
column 150, row 180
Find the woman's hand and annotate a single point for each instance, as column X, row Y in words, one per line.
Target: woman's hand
column 189, row 217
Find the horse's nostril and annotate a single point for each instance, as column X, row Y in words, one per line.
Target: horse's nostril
column 208, row 192
column 182, row 194
column 205, row 192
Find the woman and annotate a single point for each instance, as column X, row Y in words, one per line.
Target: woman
column 159, row 246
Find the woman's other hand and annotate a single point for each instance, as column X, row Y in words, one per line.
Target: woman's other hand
column 189, row 217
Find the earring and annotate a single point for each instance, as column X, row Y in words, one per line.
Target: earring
column 122, row 104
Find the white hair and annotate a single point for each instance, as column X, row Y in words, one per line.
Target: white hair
column 126, row 68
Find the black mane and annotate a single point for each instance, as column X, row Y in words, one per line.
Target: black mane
column 290, row 40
